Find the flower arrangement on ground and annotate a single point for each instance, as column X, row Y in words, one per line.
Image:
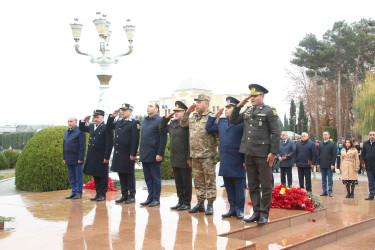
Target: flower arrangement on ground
column 91, row 185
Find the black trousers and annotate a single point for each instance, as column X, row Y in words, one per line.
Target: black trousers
column 127, row 182
column 305, row 173
column 101, row 185
column 182, row 177
column 286, row 171
column 259, row 174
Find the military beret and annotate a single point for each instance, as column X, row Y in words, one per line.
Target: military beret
column 231, row 101
column 257, row 89
column 98, row 112
column 202, row 97
column 127, row 106
column 180, row 106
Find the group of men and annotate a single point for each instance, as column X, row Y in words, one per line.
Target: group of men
column 248, row 142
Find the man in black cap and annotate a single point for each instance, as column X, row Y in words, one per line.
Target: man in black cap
column 180, row 159
column 231, row 160
column 260, row 143
column 125, row 147
column 98, row 152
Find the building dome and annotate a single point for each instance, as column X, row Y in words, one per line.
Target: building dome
column 192, row 83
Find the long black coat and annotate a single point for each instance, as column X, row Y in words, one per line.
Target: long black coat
column 125, row 144
column 327, row 154
column 100, row 147
column 178, row 144
column 368, row 155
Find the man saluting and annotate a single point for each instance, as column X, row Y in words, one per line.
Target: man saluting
column 260, row 143
column 98, row 152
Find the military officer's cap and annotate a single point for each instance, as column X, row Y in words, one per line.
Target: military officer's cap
column 257, row 89
column 126, row 106
column 231, row 101
column 180, row 106
column 202, row 97
column 98, row 112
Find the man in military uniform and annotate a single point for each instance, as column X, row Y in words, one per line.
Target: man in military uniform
column 179, row 155
column 125, row 147
column 231, row 160
column 202, row 150
column 260, row 143
column 98, row 152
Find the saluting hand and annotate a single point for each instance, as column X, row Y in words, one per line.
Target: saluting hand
column 191, row 108
column 170, row 116
column 244, row 101
column 87, row 118
column 219, row 112
column 270, row 159
column 115, row 113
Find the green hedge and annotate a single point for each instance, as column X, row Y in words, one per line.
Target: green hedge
column 40, row 168
column 4, row 162
column 8, row 159
column 166, row 168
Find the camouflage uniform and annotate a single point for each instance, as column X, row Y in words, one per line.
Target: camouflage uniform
column 202, row 150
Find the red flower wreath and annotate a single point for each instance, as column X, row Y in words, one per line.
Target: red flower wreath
column 91, row 185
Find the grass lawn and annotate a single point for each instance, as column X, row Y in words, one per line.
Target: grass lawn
column 139, row 174
column 10, row 175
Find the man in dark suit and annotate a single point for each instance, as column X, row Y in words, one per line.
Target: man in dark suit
column 180, row 159
column 98, row 152
column 286, row 156
column 74, row 148
column 231, row 160
column 305, row 160
column 260, row 143
column 125, row 147
column 368, row 158
column 326, row 162
column 151, row 154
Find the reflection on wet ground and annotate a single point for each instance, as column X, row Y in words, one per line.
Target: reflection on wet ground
column 48, row 221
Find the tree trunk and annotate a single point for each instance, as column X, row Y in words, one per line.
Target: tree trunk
column 316, row 105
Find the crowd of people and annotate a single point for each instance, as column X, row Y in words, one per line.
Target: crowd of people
column 249, row 143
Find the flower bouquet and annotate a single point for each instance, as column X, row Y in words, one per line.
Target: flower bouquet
column 285, row 156
column 312, row 167
column 91, row 185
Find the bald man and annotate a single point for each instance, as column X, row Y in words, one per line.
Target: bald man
column 74, row 147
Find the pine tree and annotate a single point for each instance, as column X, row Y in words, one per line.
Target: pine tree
column 302, row 119
column 286, row 124
column 292, row 118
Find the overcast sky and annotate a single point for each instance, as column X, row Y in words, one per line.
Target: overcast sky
column 225, row 44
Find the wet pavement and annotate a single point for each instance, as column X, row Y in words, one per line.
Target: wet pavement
column 48, row 221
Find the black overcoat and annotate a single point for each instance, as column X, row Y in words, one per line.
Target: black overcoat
column 327, row 154
column 125, row 144
column 100, row 147
column 368, row 155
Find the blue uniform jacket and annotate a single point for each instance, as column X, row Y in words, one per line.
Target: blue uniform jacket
column 153, row 141
column 288, row 148
column 74, row 146
column 305, row 151
column 231, row 160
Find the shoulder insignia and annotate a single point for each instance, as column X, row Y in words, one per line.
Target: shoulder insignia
column 274, row 111
column 138, row 126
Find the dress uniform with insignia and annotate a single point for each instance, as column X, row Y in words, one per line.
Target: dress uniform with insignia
column 125, row 144
column 261, row 136
column 100, row 147
column 179, row 156
column 203, row 147
column 231, row 160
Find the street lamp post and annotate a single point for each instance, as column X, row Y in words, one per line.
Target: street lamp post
column 104, row 60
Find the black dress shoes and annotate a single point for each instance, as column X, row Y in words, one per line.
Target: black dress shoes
column 176, row 207
column 183, row 207
column 70, row 196
column 145, row 203
column 369, row 198
column 122, row 199
column 130, row 200
column 240, row 216
column 154, row 204
column 262, row 221
column 101, row 198
column 253, row 218
column 229, row 214
column 77, row 196
column 323, row 194
column 94, row 198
